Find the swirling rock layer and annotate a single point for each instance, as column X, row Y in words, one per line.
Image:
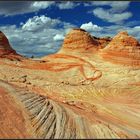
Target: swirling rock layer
column 76, row 95
column 46, row 118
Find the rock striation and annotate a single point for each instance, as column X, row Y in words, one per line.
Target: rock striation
column 123, row 49
column 79, row 40
column 74, row 93
column 123, row 45
column 48, row 119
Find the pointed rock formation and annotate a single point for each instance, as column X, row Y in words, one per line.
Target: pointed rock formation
column 5, row 48
column 124, row 45
column 123, row 48
column 79, row 40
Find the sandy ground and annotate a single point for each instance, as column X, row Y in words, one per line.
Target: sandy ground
column 96, row 89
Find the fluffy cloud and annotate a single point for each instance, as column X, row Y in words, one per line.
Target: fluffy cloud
column 38, row 36
column 118, row 6
column 90, row 27
column 115, row 14
column 107, row 15
column 43, row 38
column 58, row 37
column 40, row 22
column 42, row 4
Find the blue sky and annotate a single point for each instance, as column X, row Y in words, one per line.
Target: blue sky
column 38, row 27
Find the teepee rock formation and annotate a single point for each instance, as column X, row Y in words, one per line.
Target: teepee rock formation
column 123, row 45
column 5, row 48
column 79, row 40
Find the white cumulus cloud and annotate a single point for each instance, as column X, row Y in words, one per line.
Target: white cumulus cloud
column 107, row 15
column 116, row 12
column 58, row 37
column 40, row 22
column 90, row 27
column 38, row 36
column 42, row 4
column 116, row 6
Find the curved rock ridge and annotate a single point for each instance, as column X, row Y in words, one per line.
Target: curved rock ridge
column 45, row 118
column 5, row 47
column 48, row 118
column 72, row 95
column 80, row 41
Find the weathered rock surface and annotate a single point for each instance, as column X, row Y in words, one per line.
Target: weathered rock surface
column 78, row 40
column 46, row 118
column 123, row 45
column 5, row 47
column 72, row 95
column 6, row 51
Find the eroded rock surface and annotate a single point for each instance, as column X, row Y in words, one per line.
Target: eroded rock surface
column 5, row 47
column 124, row 47
column 75, row 93
column 78, row 40
column 47, row 119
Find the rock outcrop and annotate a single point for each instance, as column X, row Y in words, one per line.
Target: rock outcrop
column 48, row 119
column 5, row 48
column 72, row 95
column 42, row 117
column 79, row 40
column 123, row 49
column 123, row 45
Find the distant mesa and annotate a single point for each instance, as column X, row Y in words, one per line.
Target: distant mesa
column 5, row 48
column 79, row 40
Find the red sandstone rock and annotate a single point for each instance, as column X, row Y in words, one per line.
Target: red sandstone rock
column 123, row 49
column 72, row 96
column 123, row 45
column 104, row 42
column 5, row 47
column 80, row 41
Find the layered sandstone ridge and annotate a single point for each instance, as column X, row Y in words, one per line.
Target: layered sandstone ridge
column 123, row 45
column 123, row 49
column 47, row 119
column 42, row 117
column 80, row 41
column 5, row 48
column 72, row 95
